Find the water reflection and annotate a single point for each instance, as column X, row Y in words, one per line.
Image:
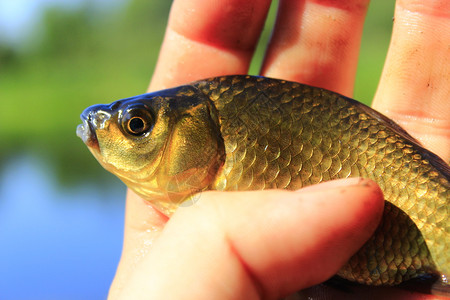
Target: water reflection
column 56, row 243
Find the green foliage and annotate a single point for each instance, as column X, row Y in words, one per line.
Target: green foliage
column 374, row 46
column 74, row 59
column 8, row 56
column 67, row 32
column 84, row 56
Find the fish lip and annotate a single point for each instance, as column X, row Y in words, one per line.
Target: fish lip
column 86, row 131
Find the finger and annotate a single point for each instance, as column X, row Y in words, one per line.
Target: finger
column 202, row 39
column 252, row 244
column 208, row 38
column 317, row 42
column 415, row 85
column 211, row 40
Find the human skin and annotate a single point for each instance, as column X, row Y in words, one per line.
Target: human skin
column 222, row 247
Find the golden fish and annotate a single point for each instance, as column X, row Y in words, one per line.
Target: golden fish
column 252, row 133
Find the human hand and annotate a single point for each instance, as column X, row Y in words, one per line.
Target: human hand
column 314, row 42
column 249, row 245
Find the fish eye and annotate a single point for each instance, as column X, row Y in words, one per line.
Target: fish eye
column 137, row 121
column 137, row 125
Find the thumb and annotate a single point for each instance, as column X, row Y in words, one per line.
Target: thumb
column 260, row 244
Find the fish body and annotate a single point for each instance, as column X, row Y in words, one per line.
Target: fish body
column 252, row 133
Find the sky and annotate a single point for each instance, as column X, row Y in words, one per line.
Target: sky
column 18, row 17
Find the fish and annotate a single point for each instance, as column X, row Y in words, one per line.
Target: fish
column 243, row 132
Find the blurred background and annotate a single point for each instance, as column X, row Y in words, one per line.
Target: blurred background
column 61, row 214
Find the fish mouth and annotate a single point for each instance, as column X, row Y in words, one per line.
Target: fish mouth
column 86, row 131
column 94, row 118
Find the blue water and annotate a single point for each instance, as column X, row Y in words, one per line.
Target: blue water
column 56, row 243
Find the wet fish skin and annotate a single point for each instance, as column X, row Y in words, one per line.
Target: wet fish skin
column 252, row 133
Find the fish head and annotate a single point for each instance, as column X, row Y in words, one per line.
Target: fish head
column 166, row 145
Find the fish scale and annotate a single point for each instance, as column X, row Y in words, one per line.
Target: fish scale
column 252, row 133
column 310, row 135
